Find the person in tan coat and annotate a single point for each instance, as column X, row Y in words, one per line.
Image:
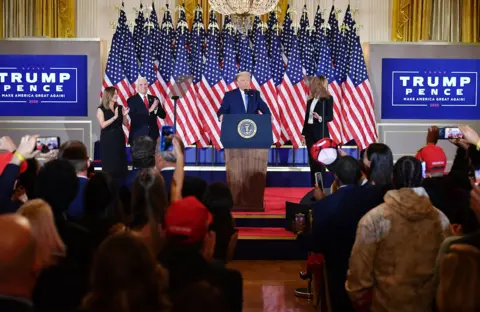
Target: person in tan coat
column 392, row 262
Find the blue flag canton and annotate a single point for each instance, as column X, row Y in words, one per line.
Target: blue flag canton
column 261, row 70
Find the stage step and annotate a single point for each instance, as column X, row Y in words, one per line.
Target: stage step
column 267, row 243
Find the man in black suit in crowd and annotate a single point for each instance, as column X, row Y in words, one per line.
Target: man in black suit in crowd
column 144, row 110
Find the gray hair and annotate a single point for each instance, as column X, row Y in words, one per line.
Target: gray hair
column 142, row 79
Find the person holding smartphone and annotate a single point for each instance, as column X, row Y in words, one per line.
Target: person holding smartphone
column 318, row 113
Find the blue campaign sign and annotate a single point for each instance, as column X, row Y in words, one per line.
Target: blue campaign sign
column 430, row 88
column 43, row 85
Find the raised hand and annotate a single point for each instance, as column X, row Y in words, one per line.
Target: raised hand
column 116, row 112
column 469, row 134
column 154, row 105
column 27, row 147
column 6, row 144
column 126, row 110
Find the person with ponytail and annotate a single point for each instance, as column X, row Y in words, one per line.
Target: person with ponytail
column 396, row 245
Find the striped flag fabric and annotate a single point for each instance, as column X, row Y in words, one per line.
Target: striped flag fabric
column 277, row 67
column 212, row 87
column 325, row 68
column 292, row 96
column 165, row 65
column 147, row 70
column 188, row 122
column 357, row 92
column 229, row 66
column 338, row 51
column 114, row 75
column 263, row 82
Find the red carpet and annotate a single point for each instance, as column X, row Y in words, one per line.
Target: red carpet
column 275, row 198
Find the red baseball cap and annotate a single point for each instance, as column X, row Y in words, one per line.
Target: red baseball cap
column 188, row 217
column 434, row 158
column 5, row 158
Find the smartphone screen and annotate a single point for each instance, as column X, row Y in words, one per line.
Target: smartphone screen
column 46, row 144
column 424, row 169
column 319, row 179
column 166, row 138
column 449, row 133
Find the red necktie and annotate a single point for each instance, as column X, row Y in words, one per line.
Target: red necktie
column 145, row 100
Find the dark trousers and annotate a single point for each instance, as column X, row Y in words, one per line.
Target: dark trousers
column 314, row 165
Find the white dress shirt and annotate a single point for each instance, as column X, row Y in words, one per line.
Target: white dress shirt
column 312, row 109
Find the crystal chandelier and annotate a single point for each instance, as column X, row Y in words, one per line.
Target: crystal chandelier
column 242, row 12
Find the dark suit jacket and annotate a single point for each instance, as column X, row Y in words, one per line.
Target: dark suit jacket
column 144, row 123
column 76, row 208
column 11, row 304
column 233, row 103
column 335, row 220
column 316, row 131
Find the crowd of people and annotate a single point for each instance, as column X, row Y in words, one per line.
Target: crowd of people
column 398, row 238
column 72, row 239
column 75, row 239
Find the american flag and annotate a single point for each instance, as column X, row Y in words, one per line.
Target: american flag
column 292, row 96
column 229, row 67
column 182, row 25
column 165, row 65
column 277, row 67
column 114, row 75
column 287, row 33
column 212, row 87
column 318, row 33
column 338, row 51
column 198, row 28
column 246, row 59
column 263, row 82
column 308, row 56
column 188, row 122
column 139, row 32
column 254, row 31
column 358, row 94
column 272, row 21
column 155, row 32
column 147, row 69
column 129, row 58
column 325, row 68
column 302, row 35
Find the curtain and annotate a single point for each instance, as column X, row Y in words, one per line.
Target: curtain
column 190, row 6
column 55, row 18
column 411, row 20
column 470, row 15
column 440, row 20
column 17, row 18
column 51, row 18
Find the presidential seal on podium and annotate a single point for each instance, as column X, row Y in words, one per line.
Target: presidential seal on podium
column 247, row 128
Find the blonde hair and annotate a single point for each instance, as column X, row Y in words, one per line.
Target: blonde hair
column 108, row 94
column 318, row 89
column 244, row 73
column 459, row 280
column 49, row 244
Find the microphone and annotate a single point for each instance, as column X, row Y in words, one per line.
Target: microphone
column 175, row 97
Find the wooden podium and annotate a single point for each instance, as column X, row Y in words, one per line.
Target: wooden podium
column 247, row 139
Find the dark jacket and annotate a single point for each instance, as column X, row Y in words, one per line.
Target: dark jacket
column 186, row 269
column 233, row 103
column 144, row 123
column 318, row 130
column 12, row 304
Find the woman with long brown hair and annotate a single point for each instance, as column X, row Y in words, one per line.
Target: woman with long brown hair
column 318, row 113
column 125, row 277
column 113, row 153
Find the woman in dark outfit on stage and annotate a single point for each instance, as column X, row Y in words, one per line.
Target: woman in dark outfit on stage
column 113, row 154
column 318, row 113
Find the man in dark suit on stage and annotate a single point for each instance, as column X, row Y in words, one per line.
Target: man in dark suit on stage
column 242, row 100
column 144, row 110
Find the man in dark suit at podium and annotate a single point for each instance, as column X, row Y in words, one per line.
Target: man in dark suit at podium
column 242, row 100
column 144, row 110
